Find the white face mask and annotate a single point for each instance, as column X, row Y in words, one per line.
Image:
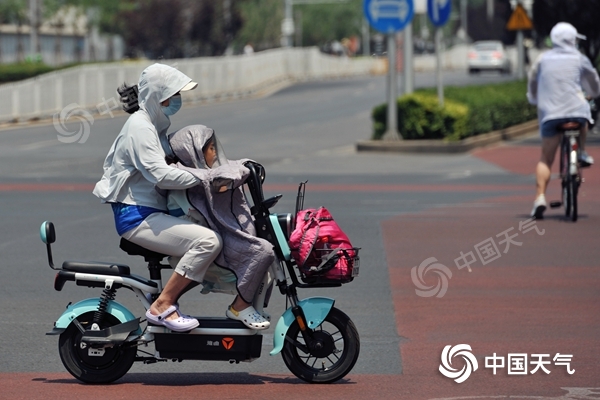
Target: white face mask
column 174, row 105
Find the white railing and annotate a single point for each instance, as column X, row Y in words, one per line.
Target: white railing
column 93, row 87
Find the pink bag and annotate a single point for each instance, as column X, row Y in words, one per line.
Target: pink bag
column 321, row 249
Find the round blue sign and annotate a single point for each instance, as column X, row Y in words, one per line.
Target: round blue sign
column 439, row 11
column 388, row 16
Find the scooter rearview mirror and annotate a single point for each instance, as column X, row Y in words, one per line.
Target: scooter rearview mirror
column 47, row 232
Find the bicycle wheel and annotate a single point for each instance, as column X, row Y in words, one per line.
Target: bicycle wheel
column 567, row 196
column 573, row 187
column 565, row 176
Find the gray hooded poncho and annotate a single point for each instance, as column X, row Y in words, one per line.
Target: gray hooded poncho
column 226, row 212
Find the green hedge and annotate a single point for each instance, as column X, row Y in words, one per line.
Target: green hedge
column 488, row 108
column 24, row 70
column 421, row 117
column 20, row 71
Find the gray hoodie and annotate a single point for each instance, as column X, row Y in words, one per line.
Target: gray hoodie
column 559, row 76
column 226, row 212
column 135, row 163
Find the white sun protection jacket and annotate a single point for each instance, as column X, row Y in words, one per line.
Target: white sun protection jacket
column 135, row 163
column 558, row 79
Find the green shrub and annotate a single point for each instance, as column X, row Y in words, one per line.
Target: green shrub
column 25, row 70
column 489, row 108
column 19, row 71
column 421, row 117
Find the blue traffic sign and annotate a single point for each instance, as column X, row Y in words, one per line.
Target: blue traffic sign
column 388, row 16
column 439, row 11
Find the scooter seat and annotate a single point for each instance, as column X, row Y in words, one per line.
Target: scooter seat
column 136, row 250
column 96, row 267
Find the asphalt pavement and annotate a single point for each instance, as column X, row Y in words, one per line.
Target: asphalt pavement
column 537, row 297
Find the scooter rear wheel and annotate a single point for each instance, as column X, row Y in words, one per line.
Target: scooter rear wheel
column 339, row 346
column 104, row 366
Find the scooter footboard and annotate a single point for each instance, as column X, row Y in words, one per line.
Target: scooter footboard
column 315, row 310
column 73, row 311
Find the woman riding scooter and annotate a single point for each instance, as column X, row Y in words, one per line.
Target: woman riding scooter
column 134, row 166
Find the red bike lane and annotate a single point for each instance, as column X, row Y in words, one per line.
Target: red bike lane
column 533, row 289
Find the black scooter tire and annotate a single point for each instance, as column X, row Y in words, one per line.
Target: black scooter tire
column 107, row 368
column 337, row 328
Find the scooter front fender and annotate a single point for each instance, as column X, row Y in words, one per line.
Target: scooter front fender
column 90, row 305
column 315, row 310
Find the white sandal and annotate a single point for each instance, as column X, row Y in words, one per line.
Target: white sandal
column 181, row 324
column 249, row 316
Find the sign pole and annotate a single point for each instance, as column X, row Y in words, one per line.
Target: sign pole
column 392, row 112
column 520, row 56
column 408, row 60
column 438, row 66
column 389, row 17
column 439, row 13
column 519, row 21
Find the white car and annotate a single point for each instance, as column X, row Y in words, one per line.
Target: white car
column 488, row 55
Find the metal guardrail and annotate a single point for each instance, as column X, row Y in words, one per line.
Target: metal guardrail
column 93, row 87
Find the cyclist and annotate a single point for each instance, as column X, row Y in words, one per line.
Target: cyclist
column 556, row 84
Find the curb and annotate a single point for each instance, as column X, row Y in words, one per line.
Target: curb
column 442, row 146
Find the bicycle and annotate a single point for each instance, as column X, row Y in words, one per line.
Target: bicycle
column 570, row 168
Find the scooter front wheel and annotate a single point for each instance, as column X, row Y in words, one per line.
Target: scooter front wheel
column 334, row 351
column 94, row 365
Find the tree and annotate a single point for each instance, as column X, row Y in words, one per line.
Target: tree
column 102, row 14
column 179, row 28
column 582, row 14
column 214, row 26
column 322, row 23
column 153, row 28
column 261, row 24
column 53, row 10
column 482, row 29
column 15, row 12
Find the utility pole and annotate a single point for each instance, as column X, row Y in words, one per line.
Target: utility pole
column 366, row 38
column 490, row 10
column 287, row 25
column 34, row 21
column 464, row 31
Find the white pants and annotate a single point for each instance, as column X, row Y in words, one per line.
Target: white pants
column 196, row 245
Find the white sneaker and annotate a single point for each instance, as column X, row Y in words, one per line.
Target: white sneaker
column 539, row 206
column 585, row 159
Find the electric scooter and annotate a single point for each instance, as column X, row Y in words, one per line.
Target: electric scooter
column 100, row 339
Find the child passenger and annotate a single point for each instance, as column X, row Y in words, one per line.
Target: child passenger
column 219, row 203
